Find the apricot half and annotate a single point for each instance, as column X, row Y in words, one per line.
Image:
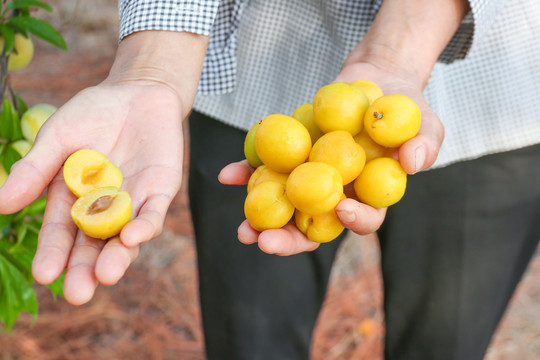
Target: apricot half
column 102, row 212
column 88, row 169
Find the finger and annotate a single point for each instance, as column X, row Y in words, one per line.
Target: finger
column 56, row 235
column 31, row 175
column 421, row 151
column 149, row 222
column 360, row 218
column 246, row 234
column 80, row 281
column 114, row 260
column 285, row 241
column 237, row 173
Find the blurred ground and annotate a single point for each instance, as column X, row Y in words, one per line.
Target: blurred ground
column 153, row 312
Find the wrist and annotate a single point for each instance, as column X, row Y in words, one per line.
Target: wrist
column 407, row 38
column 172, row 59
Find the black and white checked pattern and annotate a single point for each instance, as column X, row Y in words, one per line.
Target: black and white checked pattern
column 183, row 15
column 268, row 57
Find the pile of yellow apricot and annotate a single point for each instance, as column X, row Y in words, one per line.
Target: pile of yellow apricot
column 102, row 209
column 302, row 162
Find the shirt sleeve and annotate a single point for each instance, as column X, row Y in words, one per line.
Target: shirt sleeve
column 196, row 16
column 472, row 29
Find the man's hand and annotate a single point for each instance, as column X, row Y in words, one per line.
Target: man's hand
column 415, row 155
column 398, row 54
column 135, row 118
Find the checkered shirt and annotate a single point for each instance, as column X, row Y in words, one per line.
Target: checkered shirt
column 268, row 57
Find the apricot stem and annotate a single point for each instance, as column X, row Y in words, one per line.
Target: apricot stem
column 378, row 115
column 101, row 204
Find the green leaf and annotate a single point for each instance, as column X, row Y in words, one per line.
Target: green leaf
column 39, row 28
column 20, row 215
column 8, row 34
column 10, row 127
column 5, row 220
column 17, row 129
column 22, row 253
column 34, row 225
column 21, row 231
column 11, row 156
column 22, row 105
column 6, row 123
column 57, row 286
column 37, row 207
column 16, row 292
column 20, row 4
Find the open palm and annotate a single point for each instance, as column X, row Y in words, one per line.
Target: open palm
column 138, row 125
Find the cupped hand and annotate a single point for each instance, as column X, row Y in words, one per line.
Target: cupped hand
column 138, row 125
column 415, row 155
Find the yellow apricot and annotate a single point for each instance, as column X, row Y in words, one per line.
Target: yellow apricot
column 3, row 175
column 314, row 187
column 264, row 173
column 23, row 51
column 267, row 207
column 304, row 114
column 103, row 212
column 338, row 148
column 372, row 149
column 382, row 183
column 88, row 169
column 21, row 146
column 34, row 118
column 319, row 228
column 340, row 106
column 372, row 90
column 392, row 120
column 249, row 147
column 282, row 142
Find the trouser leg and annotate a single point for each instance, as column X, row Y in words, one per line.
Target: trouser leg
column 254, row 305
column 453, row 251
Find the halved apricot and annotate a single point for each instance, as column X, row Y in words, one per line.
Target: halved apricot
column 103, row 212
column 88, row 169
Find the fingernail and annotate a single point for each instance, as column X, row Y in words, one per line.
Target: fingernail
column 419, row 158
column 347, row 216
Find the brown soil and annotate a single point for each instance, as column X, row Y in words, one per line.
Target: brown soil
column 153, row 312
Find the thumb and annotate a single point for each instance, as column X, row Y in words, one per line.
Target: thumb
column 421, row 152
column 30, row 176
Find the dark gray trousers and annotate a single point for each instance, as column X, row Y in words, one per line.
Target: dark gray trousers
column 453, row 251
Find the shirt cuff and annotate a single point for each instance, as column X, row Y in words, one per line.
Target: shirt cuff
column 472, row 29
column 173, row 15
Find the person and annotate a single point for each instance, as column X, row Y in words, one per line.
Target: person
column 452, row 250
